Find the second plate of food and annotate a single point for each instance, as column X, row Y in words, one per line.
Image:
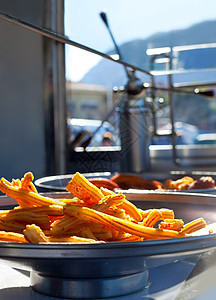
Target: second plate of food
column 192, row 182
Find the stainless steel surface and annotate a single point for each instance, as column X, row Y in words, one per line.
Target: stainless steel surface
column 55, row 102
column 161, row 157
column 79, row 289
column 37, row 75
column 135, row 137
column 112, row 262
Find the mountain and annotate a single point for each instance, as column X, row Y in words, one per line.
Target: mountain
column 108, row 73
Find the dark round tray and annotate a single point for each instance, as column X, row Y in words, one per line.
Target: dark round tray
column 88, row 271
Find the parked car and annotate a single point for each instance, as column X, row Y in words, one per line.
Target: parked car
column 185, row 134
column 80, row 131
column 206, row 138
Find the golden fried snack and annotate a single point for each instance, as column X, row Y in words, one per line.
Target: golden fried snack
column 194, row 226
column 74, row 200
column 169, row 184
column 25, row 198
column 27, row 217
column 108, row 201
column 166, row 213
column 106, row 191
column 153, row 217
column 179, row 184
column 4, row 212
column 126, row 237
column 128, row 206
column 172, row 224
column 89, row 215
column 11, row 226
column 12, row 237
column 27, row 182
column 34, row 234
column 132, row 210
column 64, row 225
column 127, row 181
column 104, row 235
column 80, row 187
column 87, row 233
column 101, row 232
column 16, row 182
column 118, row 213
column 93, row 215
column 104, row 182
column 205, row 182
column 71, row 232
column 50, row 210
column 72, row 239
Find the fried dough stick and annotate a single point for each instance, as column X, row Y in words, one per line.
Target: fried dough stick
column 173, row 224
column 101, row 232
column 108, row 201
column 194, row 226
column 65, row 224
column 132, row 210
column 118, row 213
column 27, row 217
column 26, row 194
column 24, row 197
column 87, row 233
column 153, row 217
column 12, row 237
column 103, row 235
column 11, row 226
column 179, row 184
column 74, row 201
column 81, row 188
column 90, row 215
column 27, row 182
column 128, row 206
column 34, row 234
column 126, row 237
column 50, row 210
column 166, row 213
column 73, row 239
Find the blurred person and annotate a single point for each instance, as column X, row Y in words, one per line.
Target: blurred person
column 107, row 139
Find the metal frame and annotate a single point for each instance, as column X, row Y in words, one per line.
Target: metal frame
column 167, row 53
column 64, row 40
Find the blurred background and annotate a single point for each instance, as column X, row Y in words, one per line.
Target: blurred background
column 58, row 111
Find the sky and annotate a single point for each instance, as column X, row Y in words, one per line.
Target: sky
column 128, row 20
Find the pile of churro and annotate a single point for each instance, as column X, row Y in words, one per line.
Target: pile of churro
column 131, row 181
column 90, row 215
